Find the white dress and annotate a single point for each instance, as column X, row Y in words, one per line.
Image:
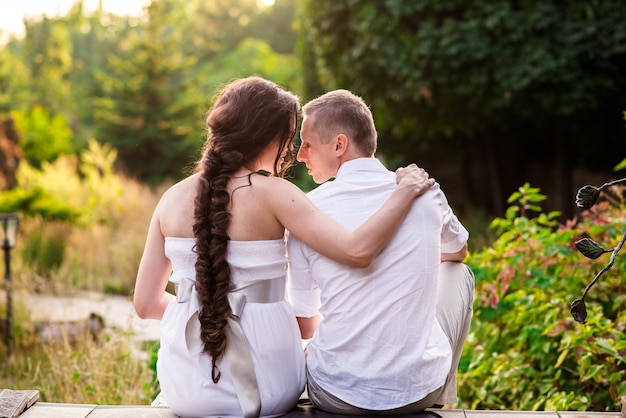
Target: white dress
column 270, row 328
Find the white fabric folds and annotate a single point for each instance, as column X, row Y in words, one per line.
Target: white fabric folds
column 237, row 350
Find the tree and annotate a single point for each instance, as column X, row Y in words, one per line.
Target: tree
column 54, row 66
column 501, row 83
column 148, row 110
column 217, row 26
column 13, row 84
column 47, row 50
column 275, row 24
column 95, row 36
column 251, row 57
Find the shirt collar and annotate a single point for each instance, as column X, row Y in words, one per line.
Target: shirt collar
column 359, row 164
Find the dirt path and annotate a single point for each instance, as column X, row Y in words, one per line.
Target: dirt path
column 117, row 311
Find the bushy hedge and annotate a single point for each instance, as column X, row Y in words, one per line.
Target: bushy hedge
column 525, row 351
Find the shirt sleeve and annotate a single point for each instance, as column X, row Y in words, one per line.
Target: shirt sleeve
column 302, row 291
column 453, row 234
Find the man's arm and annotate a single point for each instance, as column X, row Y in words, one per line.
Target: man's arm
column 457, row 256
column 308, row 326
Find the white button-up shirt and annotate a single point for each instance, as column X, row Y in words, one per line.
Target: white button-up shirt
column 379, row 345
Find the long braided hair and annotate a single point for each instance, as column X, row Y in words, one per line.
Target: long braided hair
column 247, row 116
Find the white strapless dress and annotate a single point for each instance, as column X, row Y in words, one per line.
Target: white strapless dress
column 270, row 328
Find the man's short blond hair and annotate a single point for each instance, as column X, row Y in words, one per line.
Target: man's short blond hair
column 343, row 112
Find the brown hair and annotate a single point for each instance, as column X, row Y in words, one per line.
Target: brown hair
column 341, row 111
column 247, row 116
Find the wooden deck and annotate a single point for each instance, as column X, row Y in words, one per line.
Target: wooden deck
column 24, row 404
column 55, row 410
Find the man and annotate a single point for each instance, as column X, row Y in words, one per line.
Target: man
column 387, row 337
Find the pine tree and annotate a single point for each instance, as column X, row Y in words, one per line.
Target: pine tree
column 149, row 111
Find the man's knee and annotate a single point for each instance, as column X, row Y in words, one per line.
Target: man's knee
column 455, row 273
column 455, row 293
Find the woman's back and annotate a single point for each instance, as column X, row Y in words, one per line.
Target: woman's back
column 249, row 218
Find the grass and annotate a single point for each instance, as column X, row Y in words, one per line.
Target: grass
column 90, row 372
column 61, row 258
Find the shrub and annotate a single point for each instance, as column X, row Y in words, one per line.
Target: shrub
column 524, row 350
column 83, row 225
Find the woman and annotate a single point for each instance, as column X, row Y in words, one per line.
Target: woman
column 230, row 344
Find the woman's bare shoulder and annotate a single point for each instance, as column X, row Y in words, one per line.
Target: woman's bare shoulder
column 276, row 189
column 181, row 191
column 184, row 185
column 271, row 183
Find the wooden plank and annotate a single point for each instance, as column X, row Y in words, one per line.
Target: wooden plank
column 52, row 410
column 58, row 410
column 509, row 414
column 623, row 406
column 14, row 402
column 448, row 413
column 134, row 411
column 307, row 410
column 585, row 414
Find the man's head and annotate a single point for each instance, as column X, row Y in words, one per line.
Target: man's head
column 337, row 127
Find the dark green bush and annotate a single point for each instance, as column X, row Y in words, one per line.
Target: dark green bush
column 525, row 351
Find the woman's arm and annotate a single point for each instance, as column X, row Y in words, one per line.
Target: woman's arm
column 308, row 326
column 150, row 298
column 323, row 234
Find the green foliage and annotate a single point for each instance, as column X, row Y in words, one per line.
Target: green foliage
column 275, row 25
column 212, row 28
column 47, row 51
column 36, row 201
column 586, row 197
column 83, row 225
column 13, row 86
column 44, row 137
column 82, row 191
column 146, row 111
column 154, row 91
column 67, row 192
column 525, row 351
column 525, row 200
column 481, row 82
column 251, row 57
column 141, row 83
column 622, row 164
column 108, row 372
column 433, row 69
column 44, row 249
column 152, row 348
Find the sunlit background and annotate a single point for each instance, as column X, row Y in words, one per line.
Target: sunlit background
column 14, row 11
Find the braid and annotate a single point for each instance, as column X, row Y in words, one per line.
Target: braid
column 212, row 270
column 247, row 116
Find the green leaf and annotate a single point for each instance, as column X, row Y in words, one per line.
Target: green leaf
column 561, row 358
column 590, row 249
column 579, row 311
column 587, row 196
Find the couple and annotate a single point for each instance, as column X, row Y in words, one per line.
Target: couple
column 230, row 343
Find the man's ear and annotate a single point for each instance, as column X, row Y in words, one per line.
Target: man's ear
column 341, row 144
